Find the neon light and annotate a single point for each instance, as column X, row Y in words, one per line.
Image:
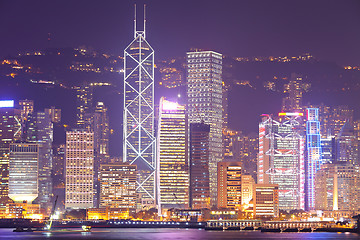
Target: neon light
column 290, row 114
column 314, row 152
column 6, row 103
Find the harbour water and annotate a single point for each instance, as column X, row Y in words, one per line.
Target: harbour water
column 163, row 234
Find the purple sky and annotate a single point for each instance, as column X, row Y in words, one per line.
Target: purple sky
column 328, row 29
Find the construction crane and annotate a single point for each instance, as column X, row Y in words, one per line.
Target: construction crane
column 48, row 226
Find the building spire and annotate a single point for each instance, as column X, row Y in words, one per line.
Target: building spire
column 135, row 27
column 144, row 20
column 135, row 21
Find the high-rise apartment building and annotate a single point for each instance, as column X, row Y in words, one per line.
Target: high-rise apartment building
column 23, row 172
column 246, row 150
column 10, row 132
column 199, row 195
column 229, row 143
column 293, row 102
column 138, row 127
column 281, row 158
column 229, row 185
column 79, row 157
column 84, row 101
column 172, row 156
column 54, row 113
column 266, row 200
column 332, row 119
column 340, row 115
column 171, row 77
column 241, row 147
column 313, row 149
column 205, row 104
column 117, row 186
column 27, row 109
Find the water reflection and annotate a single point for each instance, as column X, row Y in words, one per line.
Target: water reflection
column 161, row 234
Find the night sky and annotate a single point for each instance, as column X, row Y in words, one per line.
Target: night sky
column 330, row 30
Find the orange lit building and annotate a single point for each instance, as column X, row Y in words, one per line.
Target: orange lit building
column 107, row 213
column 229, row 185
column 118, row 186
column 23, row 210
column 266, row 200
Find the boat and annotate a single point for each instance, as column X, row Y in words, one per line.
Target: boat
column 21, row 229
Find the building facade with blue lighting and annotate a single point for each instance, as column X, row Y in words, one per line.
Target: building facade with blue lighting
column 313, row 148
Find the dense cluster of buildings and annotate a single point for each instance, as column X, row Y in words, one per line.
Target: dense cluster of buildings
column 179, row 156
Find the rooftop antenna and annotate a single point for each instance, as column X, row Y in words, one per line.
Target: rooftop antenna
column 135, row 21
column 135, row 31
column 144, row 20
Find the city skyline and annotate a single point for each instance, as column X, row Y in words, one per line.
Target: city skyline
column 133, row 137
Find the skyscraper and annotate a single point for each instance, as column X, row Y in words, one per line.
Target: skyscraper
column 117, row 186
column 58, row 176
column 45, row 140
column 55, row 114
column 238, row 146
column 230, row 140
column 27, row 109
column 23, row 172
column 173, row 155
column 266, row 200
column 10, row 131
column 340, row 115
column 347, row 145
column 229, row 185
column 101, row 132
column 205, row 103
column 313, row 149
column 281, row 158
column 38, row 129
column 138, row 128
column 84, row 101
column 79, row 169
column 199, row 195
column 328, row 150
column 101, row 144
column 293, row 102
column 337, row 187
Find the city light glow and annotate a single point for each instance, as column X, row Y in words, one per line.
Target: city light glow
column 290, row 114
column 167, row 105
column 6, row 103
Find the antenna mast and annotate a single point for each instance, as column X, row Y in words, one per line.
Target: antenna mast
column 144, row 20
column 135, row 21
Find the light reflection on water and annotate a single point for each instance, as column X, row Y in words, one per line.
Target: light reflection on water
column 162, row 234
